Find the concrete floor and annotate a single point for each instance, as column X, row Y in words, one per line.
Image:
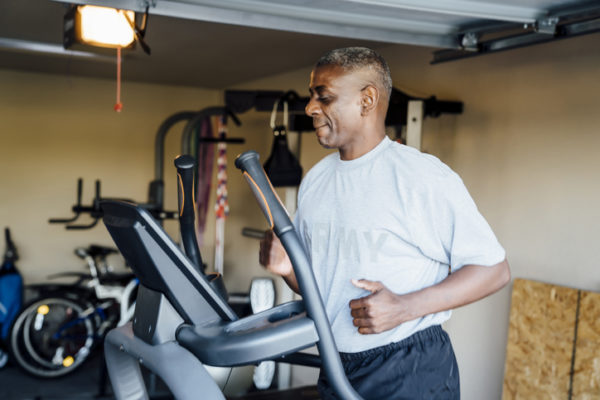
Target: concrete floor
column 86, row 384
column 82, row 384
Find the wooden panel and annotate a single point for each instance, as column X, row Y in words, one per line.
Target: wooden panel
column 586, row 377
column 540, row 341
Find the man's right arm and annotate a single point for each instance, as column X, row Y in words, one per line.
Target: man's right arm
column 274, row 258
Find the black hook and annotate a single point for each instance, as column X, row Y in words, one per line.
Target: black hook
column 140, row 32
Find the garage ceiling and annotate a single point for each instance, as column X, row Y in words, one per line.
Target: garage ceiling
column 218, row 43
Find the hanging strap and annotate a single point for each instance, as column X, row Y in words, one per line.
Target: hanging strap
column 285, row 121
column 222, row 204
column 118, row 105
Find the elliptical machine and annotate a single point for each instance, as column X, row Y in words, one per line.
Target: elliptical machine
column 183, row 319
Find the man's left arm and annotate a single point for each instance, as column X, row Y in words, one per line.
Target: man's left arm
column 383, row 310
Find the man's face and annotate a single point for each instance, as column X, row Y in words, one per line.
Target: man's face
column 335, row 106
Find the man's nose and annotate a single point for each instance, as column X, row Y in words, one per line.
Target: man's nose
column 311, row 108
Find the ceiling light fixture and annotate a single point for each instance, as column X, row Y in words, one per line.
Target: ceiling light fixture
column 105, row 27
column 99, row 26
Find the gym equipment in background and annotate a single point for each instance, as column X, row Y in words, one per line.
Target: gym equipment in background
column 282, row 167
column 222, row 203
column 93, row 209
column 197, row 138
column 405, row 112
column 194, row 121
column 155, row 202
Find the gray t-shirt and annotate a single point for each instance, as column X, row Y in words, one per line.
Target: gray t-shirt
column 394, row 215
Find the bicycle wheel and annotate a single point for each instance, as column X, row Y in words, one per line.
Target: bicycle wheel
column 52, row 337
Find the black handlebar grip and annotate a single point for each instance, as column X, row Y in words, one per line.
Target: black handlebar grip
column 185, row 192
column 268, row 200
column 281, row 224
column 185, row 187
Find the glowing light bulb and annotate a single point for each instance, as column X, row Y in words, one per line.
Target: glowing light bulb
column 104, row 26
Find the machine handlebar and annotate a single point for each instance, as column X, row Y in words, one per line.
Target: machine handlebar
column 186, row 204
column 281, row 224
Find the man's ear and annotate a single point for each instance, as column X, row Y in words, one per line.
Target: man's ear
column 369, row 98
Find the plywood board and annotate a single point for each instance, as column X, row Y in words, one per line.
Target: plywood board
column 586, row 376
column 540, row 341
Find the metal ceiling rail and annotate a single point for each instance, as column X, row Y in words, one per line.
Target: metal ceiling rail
column 471, row 9
column 326, row 15
column 286, row 17
column 552, row 32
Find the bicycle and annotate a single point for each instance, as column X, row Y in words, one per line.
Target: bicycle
column 55, row 334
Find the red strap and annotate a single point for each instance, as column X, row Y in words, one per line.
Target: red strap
column 118, row 106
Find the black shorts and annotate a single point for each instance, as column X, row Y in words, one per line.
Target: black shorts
column 422, row 366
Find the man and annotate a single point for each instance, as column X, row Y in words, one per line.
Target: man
column 395, row 240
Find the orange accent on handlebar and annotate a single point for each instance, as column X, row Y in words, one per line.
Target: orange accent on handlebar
column 271, row 222
column 182, row 195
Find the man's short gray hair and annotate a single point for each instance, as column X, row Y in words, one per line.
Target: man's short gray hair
column 354, row 58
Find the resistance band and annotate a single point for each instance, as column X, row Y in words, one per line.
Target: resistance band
column 222, row 205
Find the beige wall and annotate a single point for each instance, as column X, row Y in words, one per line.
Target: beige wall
column 526, row 147
column 56, row 129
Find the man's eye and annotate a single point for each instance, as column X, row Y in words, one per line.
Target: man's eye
column 325, row 100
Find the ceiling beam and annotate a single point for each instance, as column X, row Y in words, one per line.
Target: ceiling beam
column 27, row 46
